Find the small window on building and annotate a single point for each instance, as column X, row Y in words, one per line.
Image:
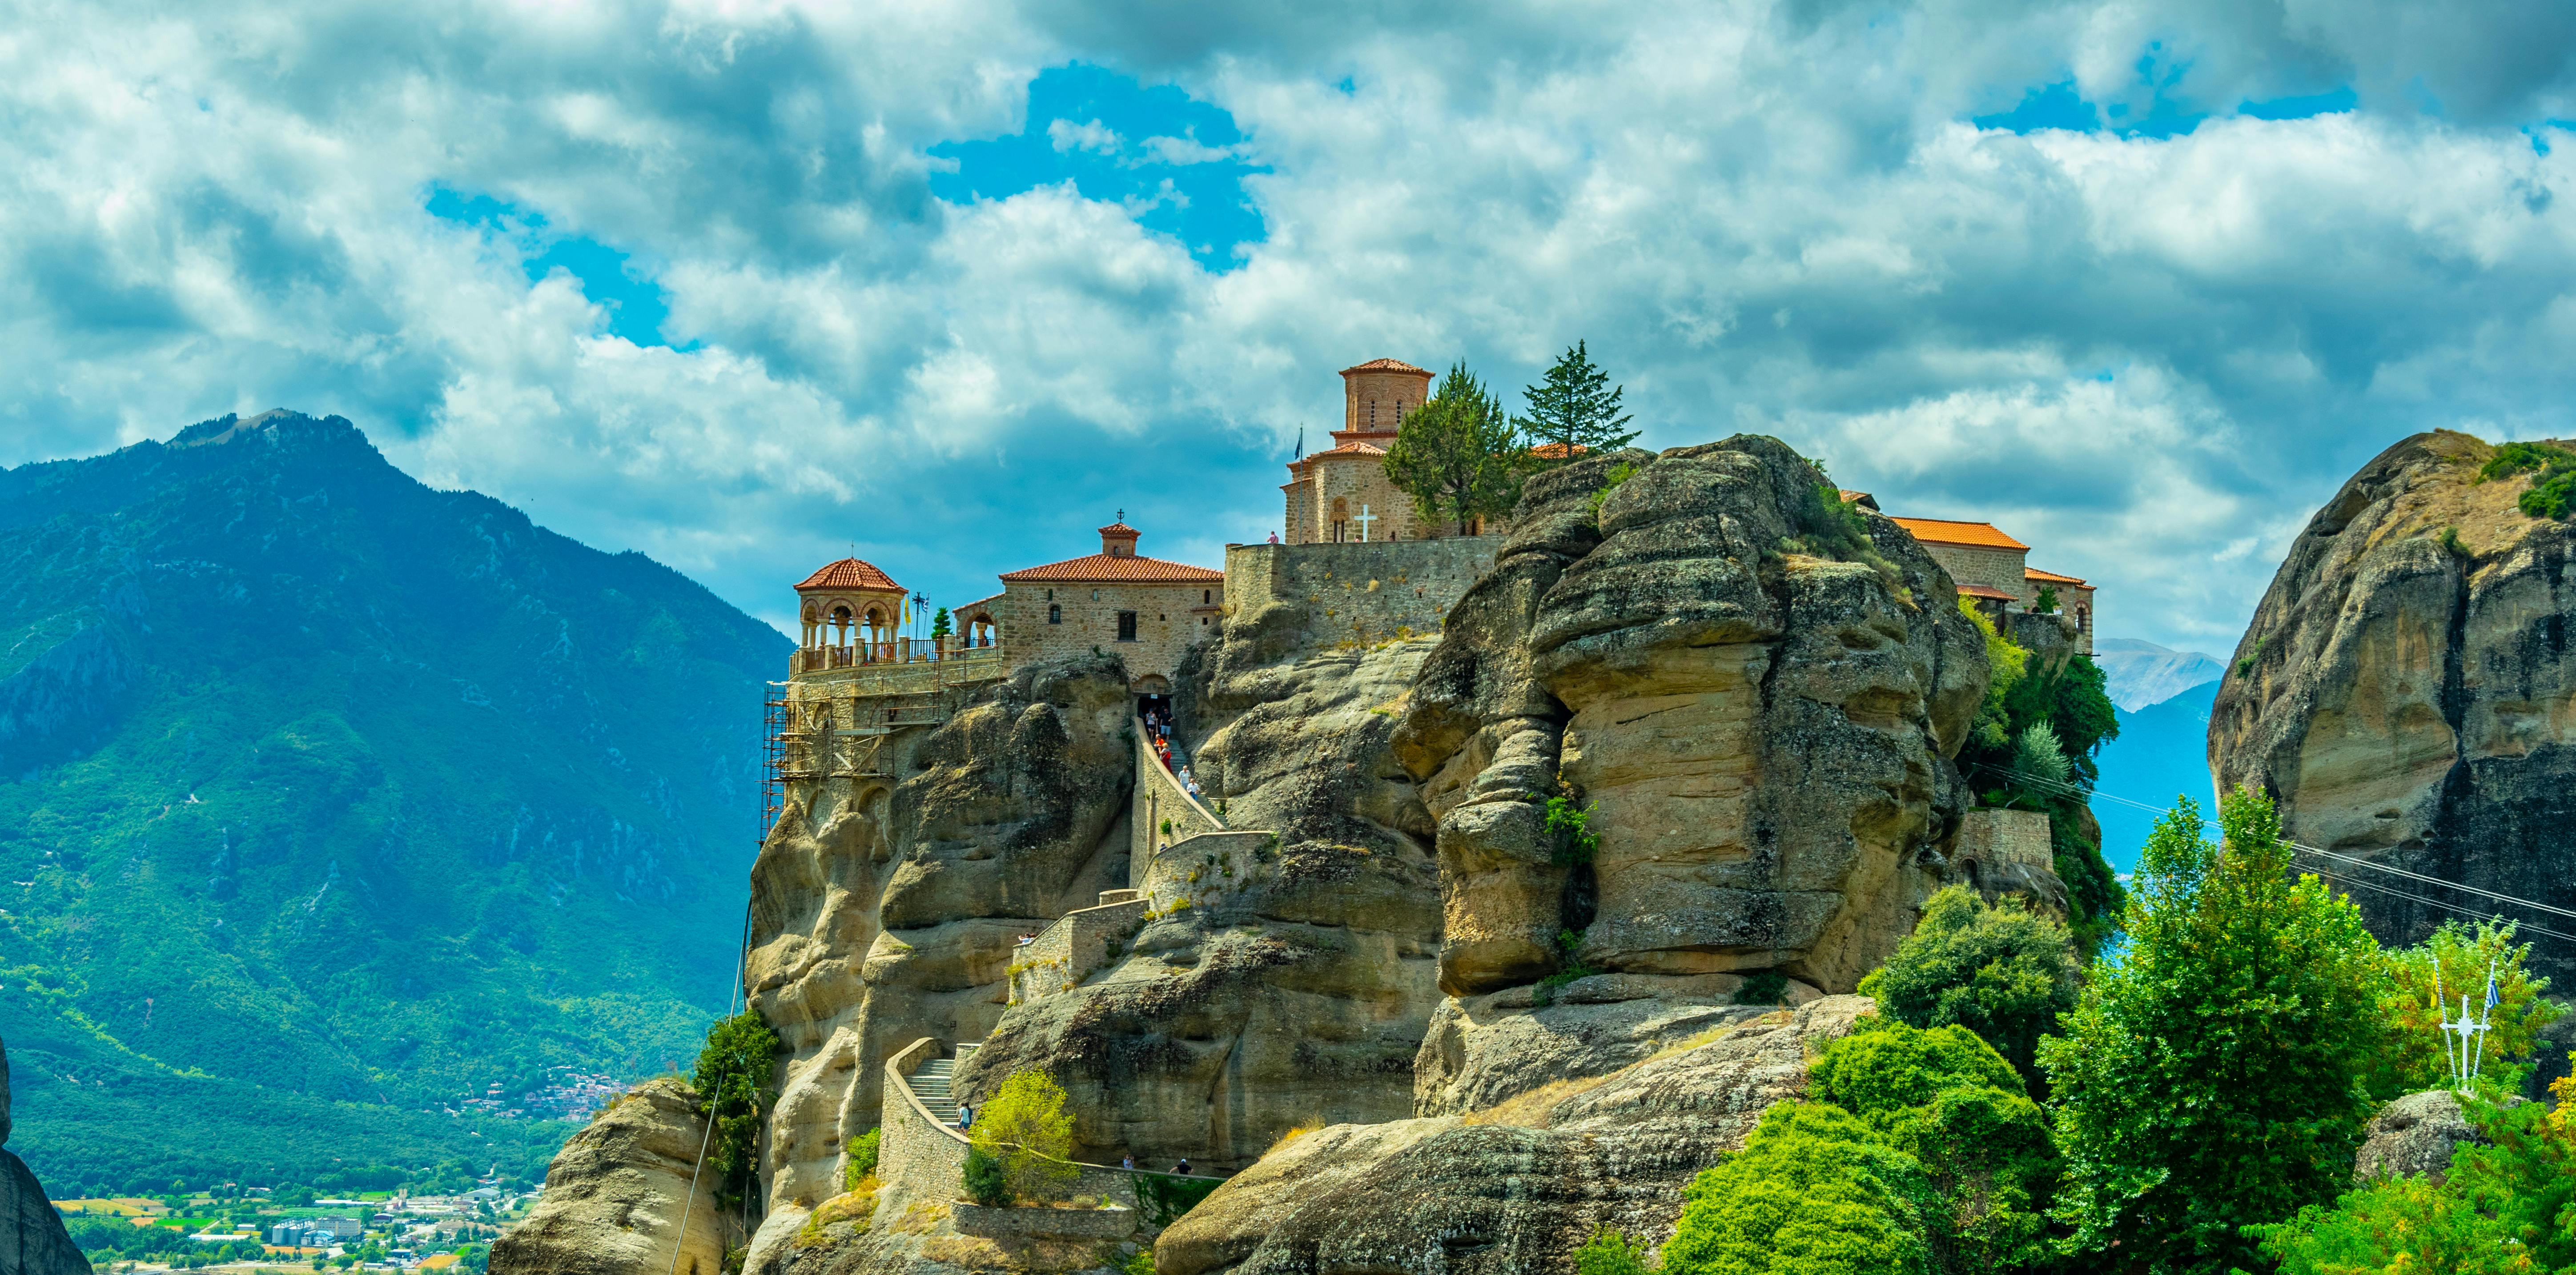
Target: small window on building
column 1205, row 595
column 1126, row 626
column 1050, row 595
column 1055, row 615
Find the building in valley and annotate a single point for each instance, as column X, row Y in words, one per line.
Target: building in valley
column 1147, row 610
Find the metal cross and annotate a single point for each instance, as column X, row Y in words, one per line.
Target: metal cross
column 1364, row 520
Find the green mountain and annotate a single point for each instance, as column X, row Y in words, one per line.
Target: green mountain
column 330, row 802
column 2162, row 752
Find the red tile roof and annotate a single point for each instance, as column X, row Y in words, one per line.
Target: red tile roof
column 851, row 573
column 2049, row 577
column 1116, row 569
column 1120, row 529
column 1346, row 449
column 1981, row 591
column 1860, row 498
column 1385, row 365
column 1942, row 531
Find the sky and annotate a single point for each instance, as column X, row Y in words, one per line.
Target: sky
column 749, row 286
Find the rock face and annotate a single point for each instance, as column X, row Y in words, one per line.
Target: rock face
column 886, row 906
column 616, row 1193
column 32, row 1237
column 1763, row 729
column 1511, row 1189
column 2415, row 1134
column 1295, row 991
column 2405, row 690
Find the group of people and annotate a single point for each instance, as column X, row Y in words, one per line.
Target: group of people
column 1158, row 731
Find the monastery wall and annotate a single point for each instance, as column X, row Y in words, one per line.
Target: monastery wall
column 1361, row 593
column 1169, row 618
column 1976, row 564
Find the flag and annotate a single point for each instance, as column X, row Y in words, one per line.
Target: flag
column 2491, row 987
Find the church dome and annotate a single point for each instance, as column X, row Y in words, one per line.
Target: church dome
column 851, row 573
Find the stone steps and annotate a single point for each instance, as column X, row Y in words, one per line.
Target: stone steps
column 930, row 1085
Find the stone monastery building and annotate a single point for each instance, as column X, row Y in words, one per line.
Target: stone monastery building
column 1346, row 526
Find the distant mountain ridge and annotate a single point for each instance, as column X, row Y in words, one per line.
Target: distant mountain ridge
column 2143, row 673
column 338, row 800
column 2162, row 753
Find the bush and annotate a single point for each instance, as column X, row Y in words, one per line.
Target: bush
column 1812, row 1193
column 987, row 1179
column 1770, row 987
column 862, row 1159
column 1611, row 1253
column 1024, row 1126
column 1166, row 1196
column 2210, row 1079
column 2004, row 972
column 2554, row 486
column 1949, row 1101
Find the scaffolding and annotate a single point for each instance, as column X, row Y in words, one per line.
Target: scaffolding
column 773, row 757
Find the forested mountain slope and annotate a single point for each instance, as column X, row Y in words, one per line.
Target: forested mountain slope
column 329, row 801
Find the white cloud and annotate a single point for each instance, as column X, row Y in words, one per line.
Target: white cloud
column 1760, row 216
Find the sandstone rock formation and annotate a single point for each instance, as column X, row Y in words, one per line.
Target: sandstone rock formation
column 1763, row 727
column 886, row 906
column 1295, row 991
column 616, row 1193
column 1514, row 1188
column 32, row 1237
column 2405, row 690
column 2415, row 1134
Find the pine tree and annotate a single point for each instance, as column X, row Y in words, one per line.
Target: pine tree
column 1459, row 456
column 1575, row 411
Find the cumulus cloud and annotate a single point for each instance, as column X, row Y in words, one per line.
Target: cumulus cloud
column 745, row 285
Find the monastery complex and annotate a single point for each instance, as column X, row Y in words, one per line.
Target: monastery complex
column 1351, row 543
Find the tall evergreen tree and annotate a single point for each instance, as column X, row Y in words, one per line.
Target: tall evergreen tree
column 1459, row 456
column 1577, row 408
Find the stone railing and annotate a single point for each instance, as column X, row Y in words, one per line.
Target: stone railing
column 915, row 676
column 1073, row 945
column 1197, row 869
column 914, row 1150
column 1159, row 799
column 927, row 1159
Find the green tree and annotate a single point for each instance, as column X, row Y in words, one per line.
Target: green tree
column 2211, row 1078
column 1458, row 455
column 736, row 1082
column 1811, row 1193
column 1024, row 1126
column 939, row 624
column 2461, row 955
column 2003, row 972
column 860, row 1160
column 1573, row 411
column 1945, row 1098
column 1611, row 1253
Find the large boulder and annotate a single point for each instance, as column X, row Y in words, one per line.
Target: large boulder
column 624, row 1194
column 32, row 1236
column 1294, row 989
column 1759, row 692
column 2403, row 690
column 2414, row 1135
column 1513, row 1188
column 888, row 899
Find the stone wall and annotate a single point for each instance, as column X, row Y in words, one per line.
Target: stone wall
column 1991, row 567
column 1073, row 946
column 2017, row 838
column 1359, row 593
column 1201, row 868
column 1360, row 483
column 1170, row 618
column 915, row 1153
column 1159, row 799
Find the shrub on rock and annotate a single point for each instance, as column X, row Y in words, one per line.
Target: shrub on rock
column 2003, row 972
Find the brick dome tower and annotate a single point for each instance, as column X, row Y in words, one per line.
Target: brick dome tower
column 1376, row 395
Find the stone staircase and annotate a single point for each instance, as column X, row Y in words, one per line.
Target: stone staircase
column 930, row 1084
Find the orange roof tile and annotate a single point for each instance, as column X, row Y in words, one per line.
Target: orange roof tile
column 1121, row 529
column 1385, row 365
column 1981, row 591
column 2048, row 577
column 1860, row 498
column 1942, row 531
column 851, row 573
column 1116, row 568
column 1346, row 449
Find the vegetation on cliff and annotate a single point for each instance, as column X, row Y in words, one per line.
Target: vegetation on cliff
column 737, row 1085
column 2000, row 971
column 353, row 813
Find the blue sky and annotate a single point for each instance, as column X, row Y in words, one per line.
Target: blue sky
column 744, row 286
